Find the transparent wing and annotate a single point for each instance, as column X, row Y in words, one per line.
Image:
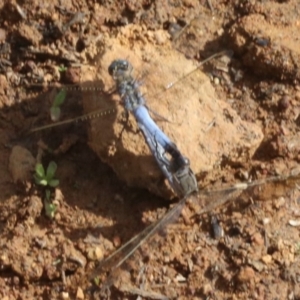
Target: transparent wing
column 65, row 105
column 206, row 201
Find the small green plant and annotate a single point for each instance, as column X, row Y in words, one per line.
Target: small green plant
column 62, row 68
column 47, row 180
column 97, row 280
column 50, row 208
column 55, row 110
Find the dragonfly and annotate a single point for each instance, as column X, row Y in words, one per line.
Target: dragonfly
column 175, row 169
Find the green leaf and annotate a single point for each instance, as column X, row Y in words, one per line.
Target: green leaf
column 39, row 171
column 40, row 181
column 51, row 170
column 59, row 98
column 62, row 69
column 53, row 182
column 55, row 113
column 97, row 280
column 43, row 182
column 37, row 180
column 50, row 209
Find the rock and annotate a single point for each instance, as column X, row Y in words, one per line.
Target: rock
column 270, row 51
column 246, row 274
column 65, row 295
column 267, row 259
column 2, row 35
column 204, row 128
column 21, row 164
column 30, row 33
column 79, row 294
column 95, row 253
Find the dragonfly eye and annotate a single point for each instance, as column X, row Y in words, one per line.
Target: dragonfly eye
column 118, row 66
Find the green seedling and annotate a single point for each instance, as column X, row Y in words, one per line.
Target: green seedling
column 50, row 209
column 55, row 110
column 97, row 280
column 46, row 178
column 62, row 69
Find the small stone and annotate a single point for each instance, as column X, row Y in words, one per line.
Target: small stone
column 4, row 259
column 220, row 32
column 294, row 223
column 283, row 103
column 267, row 259
column 65, row 295
column 257, row 265
column 180, row 278
column 117, row 241
column 279, row 202
column 95, row 253
column 160, row 37
column 246, row 274
column 216, row 81
column 21, row 164
column 257, row 239
column 79, row 294
column 2, row 35
column 207, row 289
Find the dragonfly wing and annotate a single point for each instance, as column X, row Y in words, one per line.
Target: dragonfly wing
column 122, row 254
column 264, row 189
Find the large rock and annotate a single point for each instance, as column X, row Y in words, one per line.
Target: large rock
column 204, row 128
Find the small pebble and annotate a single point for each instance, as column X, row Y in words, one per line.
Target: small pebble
column 207, row 289
column 279, row 202
column 95, row 253
column 180, row 278
column 267, row 259
column 79, row 294
column 283, row 103
column 65, row 295
column 2, row 35
column 257, row 239
column 216, row 81
column 294, row 223
column 246, row 274
column 117, row 241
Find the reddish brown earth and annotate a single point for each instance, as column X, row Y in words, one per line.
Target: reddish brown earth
column 210, row 113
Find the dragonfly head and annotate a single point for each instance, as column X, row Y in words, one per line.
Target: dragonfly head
column 120, row 70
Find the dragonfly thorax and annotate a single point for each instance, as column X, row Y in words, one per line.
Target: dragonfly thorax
column 127, row 86
column 120, row 70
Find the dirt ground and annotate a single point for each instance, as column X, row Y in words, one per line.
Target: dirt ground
column 98, row 206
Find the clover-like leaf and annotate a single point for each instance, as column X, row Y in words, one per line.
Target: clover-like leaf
column 62, row 69
column 46, row 178
column 55, row 113
column 51, row 169
column 39, row 171
column 53, row 182
column 40, row 181
column 59, row 98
